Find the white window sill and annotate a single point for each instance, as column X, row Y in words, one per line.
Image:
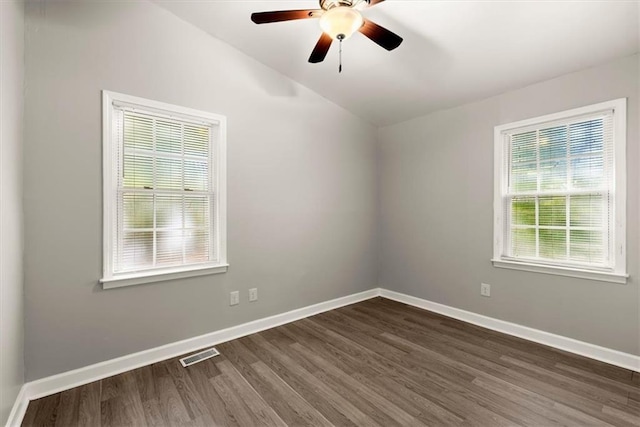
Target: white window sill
column 131, row 279
column 603, row 276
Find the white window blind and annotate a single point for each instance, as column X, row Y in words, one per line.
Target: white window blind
column 165, row 193
column 559, row 192
column 165, row 213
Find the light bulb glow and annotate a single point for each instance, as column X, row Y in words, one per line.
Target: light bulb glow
column 341, row 20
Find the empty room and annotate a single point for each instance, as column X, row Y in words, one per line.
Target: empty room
column 319, row 213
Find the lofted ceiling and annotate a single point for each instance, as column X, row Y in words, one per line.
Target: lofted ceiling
column 453, row 52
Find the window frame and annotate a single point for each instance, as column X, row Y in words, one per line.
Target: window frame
column 110, row 153
column 617, row 273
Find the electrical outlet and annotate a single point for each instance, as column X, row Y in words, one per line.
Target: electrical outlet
column 253, row 294
column 234, row 298
column 485, row 290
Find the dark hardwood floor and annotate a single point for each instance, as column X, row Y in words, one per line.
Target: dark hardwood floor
column 376, row 363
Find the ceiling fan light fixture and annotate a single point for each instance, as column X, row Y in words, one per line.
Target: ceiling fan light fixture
column 341, row 22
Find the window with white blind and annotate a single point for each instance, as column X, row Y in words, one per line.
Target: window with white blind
column 164, row 191
column 560, row 193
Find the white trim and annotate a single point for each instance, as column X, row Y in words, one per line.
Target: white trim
column 19, row 408
column 618, row 224
column 218, row 162
column 602, row 276
column 161, row 275
column 66, row 380
column 603, row 354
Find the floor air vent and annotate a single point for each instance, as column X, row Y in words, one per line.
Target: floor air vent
column 199, row 357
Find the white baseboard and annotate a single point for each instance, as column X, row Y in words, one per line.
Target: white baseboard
column 67, row 380
column 603, row 354
column 19, row 408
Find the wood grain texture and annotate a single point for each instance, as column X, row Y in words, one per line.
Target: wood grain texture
column 375, row 363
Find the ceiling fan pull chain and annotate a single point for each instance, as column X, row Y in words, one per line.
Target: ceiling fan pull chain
column 340, row 54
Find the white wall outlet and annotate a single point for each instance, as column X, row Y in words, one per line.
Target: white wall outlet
column 485, row 290
column 234, row 298
column 253, row 294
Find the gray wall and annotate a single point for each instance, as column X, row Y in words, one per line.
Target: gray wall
column 301, row 184
column 11, row 141
column 436, row 214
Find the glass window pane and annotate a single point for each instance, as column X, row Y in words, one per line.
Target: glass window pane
column 586, row 137
column 553, row 143
column 137, row 251
column 196, row 211
column 586, row 246
column 168, row 137
column 169, row 211
column 553, row 244
column 523, row 211
column 553, row 211
column 169, row 246
column 138, row 171
column 137, row 210
column 524, row 178
column 196, row 140
column 169, row 174
column 553, row 175
column 523, row 147
column 587, row 172
column 523, row 242
column 587, row 211
column 138, row 132
column 197, row 245
column 196, row 175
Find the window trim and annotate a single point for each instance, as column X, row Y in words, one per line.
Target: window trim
column 617, row 274
column 110, row 184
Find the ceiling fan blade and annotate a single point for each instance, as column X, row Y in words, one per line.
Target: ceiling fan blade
column 380, row 35
column 374, row 2
column 321, row 49
column 284, row 15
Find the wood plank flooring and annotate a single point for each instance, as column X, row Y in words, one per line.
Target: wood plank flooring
column 375, row 363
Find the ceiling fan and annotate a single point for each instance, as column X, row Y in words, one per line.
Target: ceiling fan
column 339, row 19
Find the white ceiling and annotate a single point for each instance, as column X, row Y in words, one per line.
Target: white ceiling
column 453, row 52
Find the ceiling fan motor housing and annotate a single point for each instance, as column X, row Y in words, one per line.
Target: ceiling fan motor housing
column 330, row 4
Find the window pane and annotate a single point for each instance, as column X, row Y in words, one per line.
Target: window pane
column 138, row 132
column 523, row 147
column 587, row 211
column 138, row 210
column 523, row 211
column 524, row 178
column 168, row 174
column 138, row 171
column 168, row 137
column 587, row 137
column 523, row 242
column 553, row 244
column 197, row 245
column 196, row 175
column 169, row 247
column 586, row 246
column 196, row 140
column 553, row 175
column 553, row 211
column 137, row 250
column 169, row 211
column 587, row 172
column 196, row 211
column 553, row 143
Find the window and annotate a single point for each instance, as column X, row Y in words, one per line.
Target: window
column 164, row 191
column 560, row 193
